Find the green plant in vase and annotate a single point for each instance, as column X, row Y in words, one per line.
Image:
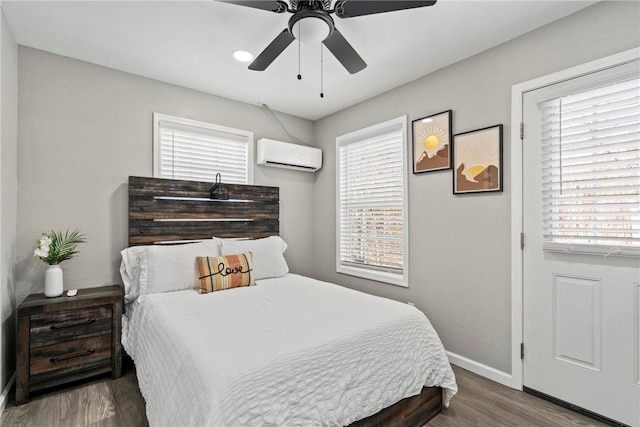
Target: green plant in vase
column 54, row 248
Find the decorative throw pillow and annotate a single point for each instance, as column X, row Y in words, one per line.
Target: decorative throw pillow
column 225, row 272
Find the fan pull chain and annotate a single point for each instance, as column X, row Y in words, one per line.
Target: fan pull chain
column 299, row 32
column 321, row 71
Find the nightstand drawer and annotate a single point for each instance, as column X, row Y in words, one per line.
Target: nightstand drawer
column 52, row 328
column 51, row 361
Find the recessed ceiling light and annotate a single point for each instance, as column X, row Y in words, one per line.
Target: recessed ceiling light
column 242, row 55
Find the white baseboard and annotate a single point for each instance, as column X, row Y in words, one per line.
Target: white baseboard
column 5, row 393
column 480, row 369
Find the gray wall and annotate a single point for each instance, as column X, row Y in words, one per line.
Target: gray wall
column 83, row 129
column 460, row 245
column 8, row 199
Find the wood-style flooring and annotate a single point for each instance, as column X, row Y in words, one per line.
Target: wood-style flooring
column 118, row 403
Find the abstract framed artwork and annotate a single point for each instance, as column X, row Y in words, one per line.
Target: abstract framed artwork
column 432, row 143
column 477, row 160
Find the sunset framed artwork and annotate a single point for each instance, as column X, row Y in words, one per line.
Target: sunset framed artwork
column 432, row 143
column 477, row 160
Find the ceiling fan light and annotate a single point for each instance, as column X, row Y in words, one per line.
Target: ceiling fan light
column 242, row 55
column 311, row 30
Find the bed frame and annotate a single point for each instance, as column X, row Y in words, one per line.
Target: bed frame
column 165, row 211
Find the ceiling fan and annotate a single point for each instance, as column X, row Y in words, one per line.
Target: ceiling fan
column 319, row 25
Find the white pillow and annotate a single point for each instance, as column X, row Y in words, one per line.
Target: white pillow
column 268, row 258
column 132, row 272
column 219, row 240
column 153, row 269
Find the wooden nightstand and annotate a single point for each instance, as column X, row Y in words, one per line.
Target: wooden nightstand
column 65, row 339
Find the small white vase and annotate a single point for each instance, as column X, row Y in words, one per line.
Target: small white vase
column 53, row 283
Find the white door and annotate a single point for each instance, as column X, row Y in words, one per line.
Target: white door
column 581, row 221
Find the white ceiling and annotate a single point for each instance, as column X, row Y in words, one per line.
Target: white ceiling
column 189, row 43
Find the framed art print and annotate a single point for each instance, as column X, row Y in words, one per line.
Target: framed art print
column 432, row 143
column 477, row 159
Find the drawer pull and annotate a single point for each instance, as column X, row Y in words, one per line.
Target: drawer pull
column 72, row 355
column 72, row 323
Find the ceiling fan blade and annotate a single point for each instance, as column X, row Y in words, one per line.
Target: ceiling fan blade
column 271, row 52
column 344, row 52
column 277, row 6
column 353, row 8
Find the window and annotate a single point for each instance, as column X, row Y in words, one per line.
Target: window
column 591, row 170
column 193, row 150
column 372, row 236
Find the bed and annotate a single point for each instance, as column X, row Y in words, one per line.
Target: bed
column 290, row 350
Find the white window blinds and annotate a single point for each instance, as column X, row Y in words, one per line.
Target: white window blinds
column 591, row 170
column 372, row 204
column 192, row 150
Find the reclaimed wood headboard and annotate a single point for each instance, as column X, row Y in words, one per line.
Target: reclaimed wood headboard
column 174, row 211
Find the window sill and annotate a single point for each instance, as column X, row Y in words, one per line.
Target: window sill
column 378, row 276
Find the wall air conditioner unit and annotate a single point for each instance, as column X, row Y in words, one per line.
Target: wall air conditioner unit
column 289, row 156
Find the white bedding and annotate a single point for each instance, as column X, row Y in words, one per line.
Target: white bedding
column 289, row 351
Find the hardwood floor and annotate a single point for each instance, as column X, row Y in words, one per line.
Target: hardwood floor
column 482, row 402
column 118, row 403
column 102, row 402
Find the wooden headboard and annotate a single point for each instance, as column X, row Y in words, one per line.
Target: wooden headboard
column 174, row 211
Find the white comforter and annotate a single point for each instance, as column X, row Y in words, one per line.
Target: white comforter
column 289, row 351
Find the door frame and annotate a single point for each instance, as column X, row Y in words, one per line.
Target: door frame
column 517, row 282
